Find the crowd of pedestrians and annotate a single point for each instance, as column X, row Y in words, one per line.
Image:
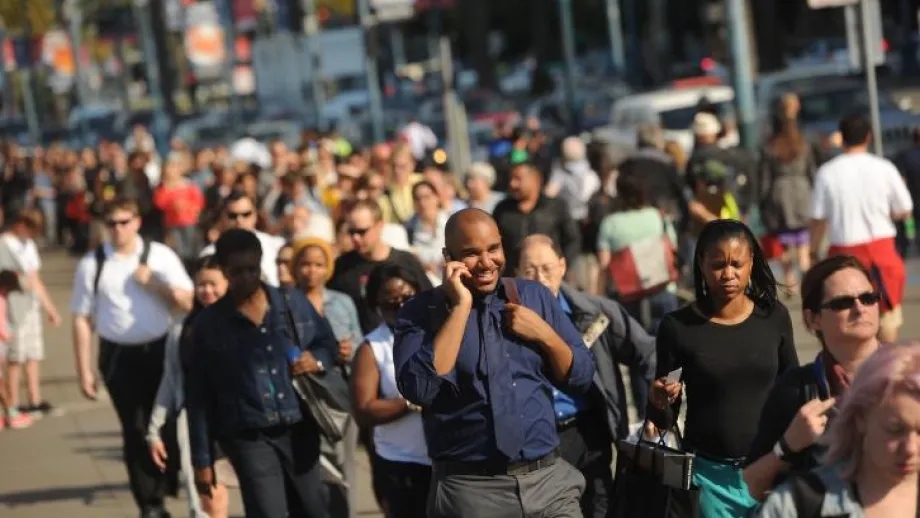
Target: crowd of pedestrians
column 478, row 320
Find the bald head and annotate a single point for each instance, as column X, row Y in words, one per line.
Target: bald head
column 463, row 221
column 471, row 237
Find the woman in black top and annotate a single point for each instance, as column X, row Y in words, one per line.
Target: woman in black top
column 840, row 305
column 732, row 344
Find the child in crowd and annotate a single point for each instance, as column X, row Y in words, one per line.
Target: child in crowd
column 14, row 420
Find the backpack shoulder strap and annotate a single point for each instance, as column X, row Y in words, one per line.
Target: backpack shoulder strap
column 145, row 251
column 808, row 494
column 100, row 261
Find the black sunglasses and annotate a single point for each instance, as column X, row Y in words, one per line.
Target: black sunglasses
column 238, row 215
column 847, row 302
column 112, row 223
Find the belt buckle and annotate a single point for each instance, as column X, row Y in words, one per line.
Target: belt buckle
column 519, row 468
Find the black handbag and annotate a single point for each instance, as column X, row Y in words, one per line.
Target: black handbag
column 653, row 480
column 325, row 396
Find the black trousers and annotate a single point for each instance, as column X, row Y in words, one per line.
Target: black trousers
column 404, row 487
column 586, row 445
column 279, row 472
column 132, row 376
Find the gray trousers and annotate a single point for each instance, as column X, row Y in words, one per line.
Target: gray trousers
column 551, row 492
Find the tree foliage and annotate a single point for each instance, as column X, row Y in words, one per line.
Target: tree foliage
column 42, row 15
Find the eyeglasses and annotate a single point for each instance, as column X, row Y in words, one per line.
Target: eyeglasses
column 358, row 231
column 847, row 302
column 112, row 223
column 239, row 215
column 546, row 270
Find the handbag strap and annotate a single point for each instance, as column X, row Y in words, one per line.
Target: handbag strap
column 289, row 318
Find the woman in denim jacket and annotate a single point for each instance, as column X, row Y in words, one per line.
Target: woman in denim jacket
column 873, row 460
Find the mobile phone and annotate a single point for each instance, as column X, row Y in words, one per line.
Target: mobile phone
column 674, row 375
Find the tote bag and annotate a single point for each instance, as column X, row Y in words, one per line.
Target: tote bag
column 645, row 267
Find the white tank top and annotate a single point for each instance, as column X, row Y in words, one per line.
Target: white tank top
column 402, row 440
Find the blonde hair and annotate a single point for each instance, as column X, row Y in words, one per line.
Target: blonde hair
column 892, row 368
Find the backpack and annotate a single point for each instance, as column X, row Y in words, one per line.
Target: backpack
column 808, row 494
column 100, row 261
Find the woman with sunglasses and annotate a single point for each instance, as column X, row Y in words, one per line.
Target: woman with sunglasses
column 873, row 458
column 840, row 305
column 401, row 469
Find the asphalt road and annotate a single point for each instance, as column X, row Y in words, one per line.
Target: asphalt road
column 69, row 465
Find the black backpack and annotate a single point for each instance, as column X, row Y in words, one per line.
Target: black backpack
column 100, row 261
column 808, row 494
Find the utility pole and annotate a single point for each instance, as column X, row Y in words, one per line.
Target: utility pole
column 74, row 16
column 160, row 130
column 568, row 49
column 615, row 27
column 311, row 29
column 226, row 15
column 370, row 67
column 25, row 75
column 457, row 130
column 868, row 55
column 742, row 72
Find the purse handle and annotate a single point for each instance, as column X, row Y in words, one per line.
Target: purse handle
column 675, row 428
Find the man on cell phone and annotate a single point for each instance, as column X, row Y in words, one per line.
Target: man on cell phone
column 480, row 355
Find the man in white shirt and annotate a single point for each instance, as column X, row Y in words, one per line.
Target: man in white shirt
column 128, row 292
column 855, row 201
column 239, row 211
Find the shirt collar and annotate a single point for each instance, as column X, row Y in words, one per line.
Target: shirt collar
column 566, row 307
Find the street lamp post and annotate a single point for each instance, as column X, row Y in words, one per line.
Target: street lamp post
column 160, row 127
column 311, row 30
column 568, row 48
column 226, row 15
column 742, row 72
column 615, row 26
column 25, row 75
column 370, row 67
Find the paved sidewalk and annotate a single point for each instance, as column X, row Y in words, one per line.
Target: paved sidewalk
column 69, row 465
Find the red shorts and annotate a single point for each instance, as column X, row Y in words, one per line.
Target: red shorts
column 881, row 258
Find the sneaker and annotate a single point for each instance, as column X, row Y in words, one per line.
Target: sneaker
column 19, row 421
column 37, row 411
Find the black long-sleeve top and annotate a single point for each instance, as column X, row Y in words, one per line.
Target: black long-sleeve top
column 549, row 216
column 728, row 371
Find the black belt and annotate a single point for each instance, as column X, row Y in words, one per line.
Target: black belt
column 490, row 469
column 142, row 345
column 735, row 463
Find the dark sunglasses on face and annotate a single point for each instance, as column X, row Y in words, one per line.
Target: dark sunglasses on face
column 239, row 215
column 112, row 223
column 847, row 302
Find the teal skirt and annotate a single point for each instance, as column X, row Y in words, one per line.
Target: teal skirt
column 723, row 492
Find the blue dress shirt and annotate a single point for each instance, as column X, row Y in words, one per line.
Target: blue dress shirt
column 498, row 396
column 564, row 405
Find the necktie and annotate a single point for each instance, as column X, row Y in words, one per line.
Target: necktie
column 509, row 433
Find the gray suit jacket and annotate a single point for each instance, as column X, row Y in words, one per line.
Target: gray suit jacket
column 623, row 342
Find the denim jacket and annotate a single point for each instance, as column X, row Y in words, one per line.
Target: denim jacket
column 840, row 500
column 239, row 377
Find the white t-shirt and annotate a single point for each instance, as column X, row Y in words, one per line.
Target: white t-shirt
column 123, row 311
column 270, row 247
column 402, row 440
column 856, row 193
column 26, row 253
